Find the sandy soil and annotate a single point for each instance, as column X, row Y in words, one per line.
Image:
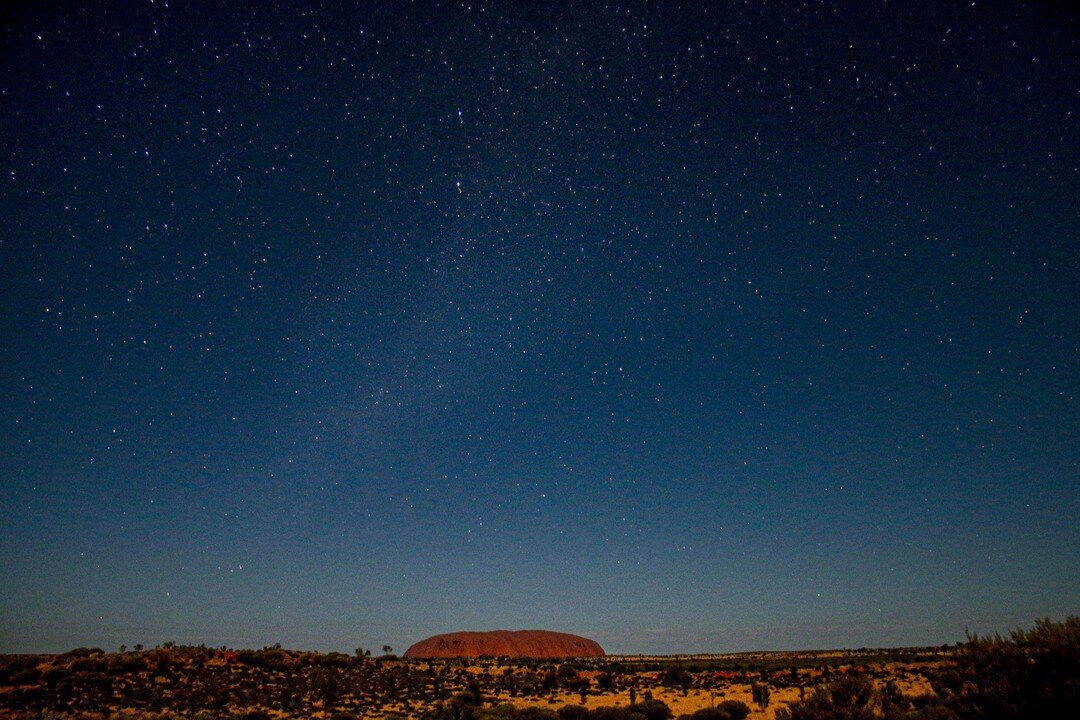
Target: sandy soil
column 697, row 699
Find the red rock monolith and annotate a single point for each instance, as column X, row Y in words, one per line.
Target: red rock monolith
column 506, row 643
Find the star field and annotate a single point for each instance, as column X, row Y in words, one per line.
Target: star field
column 685, row 326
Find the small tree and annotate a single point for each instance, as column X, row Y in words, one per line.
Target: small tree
column 759, row 691
column 324, row 685
column 677, row 677
column 471, row 695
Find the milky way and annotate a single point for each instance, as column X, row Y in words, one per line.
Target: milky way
column 683, row 326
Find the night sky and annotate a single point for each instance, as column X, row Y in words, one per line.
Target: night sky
column 684, row 326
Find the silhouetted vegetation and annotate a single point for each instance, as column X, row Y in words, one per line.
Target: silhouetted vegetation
column 1030, row 673
column 676, row 677
column 727, row 710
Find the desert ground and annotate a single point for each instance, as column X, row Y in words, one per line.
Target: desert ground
column 206, row 683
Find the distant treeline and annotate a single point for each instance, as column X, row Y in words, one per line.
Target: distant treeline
column 774, row 662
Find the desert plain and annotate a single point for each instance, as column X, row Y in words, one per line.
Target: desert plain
column 208, row 683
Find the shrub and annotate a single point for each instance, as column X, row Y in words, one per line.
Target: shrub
column 710, row 713
column 573, row 712
column 608, row 712
column 30, row 676
column 677, row 677
column 14, row 666
column 845, row 699
column 727, row 710
column 332, row 659
column 252, row 715
column 54, row 675
column 536, row 713
column 502, row 711
column 84, row 652
column 736, row 709
column 652, row 709
column 471, row 695
column 1032, row 673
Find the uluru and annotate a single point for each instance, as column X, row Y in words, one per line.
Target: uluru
column 506, row 643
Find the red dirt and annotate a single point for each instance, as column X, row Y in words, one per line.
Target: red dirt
column 506, row 643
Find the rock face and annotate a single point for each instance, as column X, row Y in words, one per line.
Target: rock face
column 506, row 643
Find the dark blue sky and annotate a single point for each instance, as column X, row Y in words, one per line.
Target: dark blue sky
column 688, row 327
